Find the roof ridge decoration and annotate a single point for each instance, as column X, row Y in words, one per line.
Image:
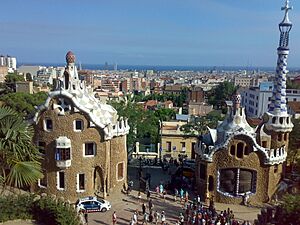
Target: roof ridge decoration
column 71, row 87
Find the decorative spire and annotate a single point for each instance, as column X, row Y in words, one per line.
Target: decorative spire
column 70, row 57
column 286, row 8
column 278, row 102
column 236, row 100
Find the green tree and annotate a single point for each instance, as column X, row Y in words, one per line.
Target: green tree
column 13, row 78
column 19, row 158
column 24, row 103
column 292, row 85
column 199, row 124
column 165, row 114
column 221, row 93
column 143, row 124
column 294, row 143
column 289, row 210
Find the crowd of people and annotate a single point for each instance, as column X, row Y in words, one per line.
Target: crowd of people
column 194, row 212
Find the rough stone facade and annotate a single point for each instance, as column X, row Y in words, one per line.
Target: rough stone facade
column 84, row 160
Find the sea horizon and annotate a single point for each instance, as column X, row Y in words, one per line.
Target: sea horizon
column 163, row 67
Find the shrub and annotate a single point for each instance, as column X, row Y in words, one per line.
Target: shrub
column 28, row 207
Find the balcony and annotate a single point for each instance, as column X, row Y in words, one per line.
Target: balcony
column 63, row 152
column 63, row 164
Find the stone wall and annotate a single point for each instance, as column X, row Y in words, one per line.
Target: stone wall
column 223, row 159
column 107, row 152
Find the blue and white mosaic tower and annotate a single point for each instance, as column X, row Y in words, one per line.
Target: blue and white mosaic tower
column 279, row 120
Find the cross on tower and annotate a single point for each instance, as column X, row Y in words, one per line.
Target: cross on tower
column 286, row 8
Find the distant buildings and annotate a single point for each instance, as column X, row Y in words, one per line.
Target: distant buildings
column 3, row 73
column 256, row 100
column 175, row 143
column 9, row 61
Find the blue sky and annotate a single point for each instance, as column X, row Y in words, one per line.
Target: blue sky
column 148, row 32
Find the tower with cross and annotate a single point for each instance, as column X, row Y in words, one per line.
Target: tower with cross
column 278, row 119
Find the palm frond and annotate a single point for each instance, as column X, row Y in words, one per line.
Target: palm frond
column 24, row 173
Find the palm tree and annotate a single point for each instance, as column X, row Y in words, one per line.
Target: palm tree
column 19, row 158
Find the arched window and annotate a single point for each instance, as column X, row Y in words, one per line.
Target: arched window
column 285, row 136
column 279, row 137
column 232, row 150
column 274, row 120
column 237, row 181
column 240, row 150
column 281, row 120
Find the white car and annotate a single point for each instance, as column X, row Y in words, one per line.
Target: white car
column 92, row 204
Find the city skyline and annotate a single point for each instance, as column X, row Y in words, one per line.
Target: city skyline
column 175, row 33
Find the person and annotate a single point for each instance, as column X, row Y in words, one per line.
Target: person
column 181, row 219
column 134, row 218
column 186, row 196
column 161, row 188
column 139, row 197
column 164, row 195
column 157, row 190
column 81, row 216
column 148, row 195
column 163, row 218
column 114, row 218
column 181, row 194
column 246, row 199
column 145, row 219
column 150, row 204
column 86, row 217
column 175, row 194
column 143, row 208
column 198, row 200
column 150, row 218
column 156, row 217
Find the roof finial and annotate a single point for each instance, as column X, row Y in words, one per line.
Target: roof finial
column 286, row 8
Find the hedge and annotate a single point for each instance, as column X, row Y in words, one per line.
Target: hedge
column 45, row 210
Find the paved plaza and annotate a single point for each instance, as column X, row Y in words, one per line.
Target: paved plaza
column 126, row 205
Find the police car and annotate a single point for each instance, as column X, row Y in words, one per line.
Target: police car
column 92, row 204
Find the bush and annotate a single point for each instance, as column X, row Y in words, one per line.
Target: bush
column 45, row 210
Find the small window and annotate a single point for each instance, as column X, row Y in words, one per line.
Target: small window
column 285, row 136
column 232, row 150
column 61, row 180
column 42, row 147
column 169, row 146
column 48, row 125
column 264, row 144
column 240, row 150
column 42, row 183
column 80, row 182
column 90, row 149
column 281, row 120
column 78, row 125
column 274, row 120
column 120, row 171
column 62, row 154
